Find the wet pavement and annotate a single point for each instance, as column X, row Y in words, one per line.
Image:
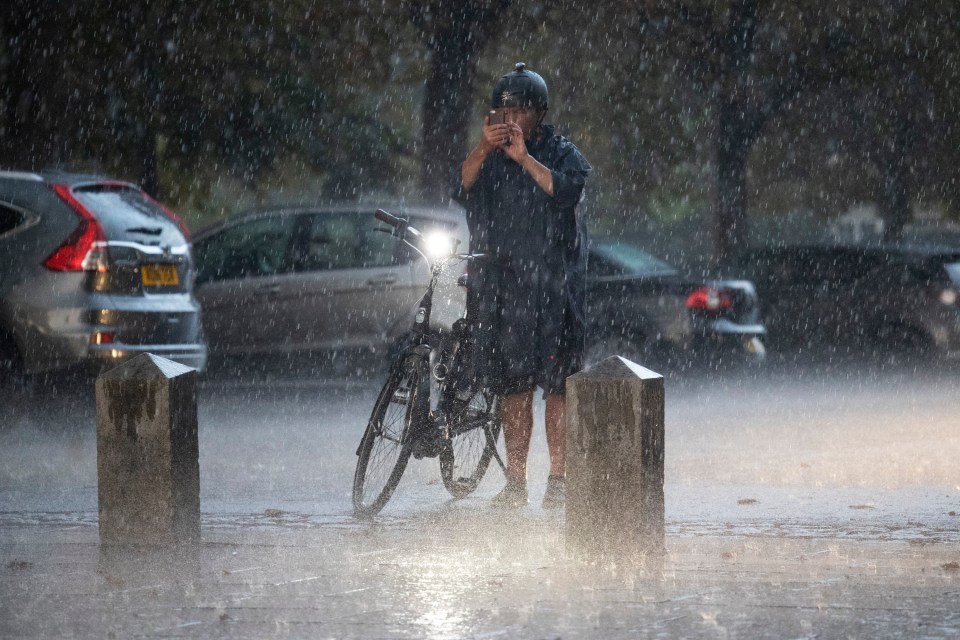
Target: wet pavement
column 464, row 573
column 797, row 507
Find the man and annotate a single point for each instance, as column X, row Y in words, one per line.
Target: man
column 521, row 186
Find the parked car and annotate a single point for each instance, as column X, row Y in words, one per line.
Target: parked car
column 295, row 280
column 92, row 271
column 643, row 308
column 858, row 299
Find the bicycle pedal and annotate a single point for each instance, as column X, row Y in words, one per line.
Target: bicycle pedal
column 428, row 446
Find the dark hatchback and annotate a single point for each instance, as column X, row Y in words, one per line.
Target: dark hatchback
column 858, row 300
column 641, row 307
column 92, row 271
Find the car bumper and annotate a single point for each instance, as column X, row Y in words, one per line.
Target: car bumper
column 723, row 326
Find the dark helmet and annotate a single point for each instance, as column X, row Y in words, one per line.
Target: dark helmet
column 520, row 88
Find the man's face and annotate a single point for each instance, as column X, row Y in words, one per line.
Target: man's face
column 526, row 117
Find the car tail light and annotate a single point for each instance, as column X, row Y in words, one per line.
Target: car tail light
column 709, row 299
column 84, row 249
column 170, row 214
column 102, row 337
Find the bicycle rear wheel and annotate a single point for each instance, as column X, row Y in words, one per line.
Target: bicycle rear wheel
column 386, row 445
column 473, row 430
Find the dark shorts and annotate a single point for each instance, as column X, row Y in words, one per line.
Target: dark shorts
column 527, row 335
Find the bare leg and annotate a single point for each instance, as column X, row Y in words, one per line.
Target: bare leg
column 556, row 425
column 517, row 429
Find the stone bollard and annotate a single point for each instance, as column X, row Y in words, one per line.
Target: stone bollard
column 615, row 432
column 148, row 469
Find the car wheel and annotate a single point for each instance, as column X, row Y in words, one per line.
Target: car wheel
column 14, row 383
column 904, row 345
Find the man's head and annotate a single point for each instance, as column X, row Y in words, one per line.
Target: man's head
column 520, row 88
column 523, row 95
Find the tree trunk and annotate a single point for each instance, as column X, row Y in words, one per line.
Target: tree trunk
column 733, row 149
column 461, row 31
column 737, row 127
column 32, row 86
column 896, row 198
column 149, row 171
column 446, row 112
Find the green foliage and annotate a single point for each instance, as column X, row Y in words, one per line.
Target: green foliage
column 228, row 104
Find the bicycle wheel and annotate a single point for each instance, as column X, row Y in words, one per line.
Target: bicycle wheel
column 386, row 444
column 472, row 433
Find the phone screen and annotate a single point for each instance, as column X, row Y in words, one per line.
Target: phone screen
column 496, row 117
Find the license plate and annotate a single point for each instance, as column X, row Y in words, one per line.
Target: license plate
column 159, row 275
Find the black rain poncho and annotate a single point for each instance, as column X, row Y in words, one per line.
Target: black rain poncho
column 528, row 320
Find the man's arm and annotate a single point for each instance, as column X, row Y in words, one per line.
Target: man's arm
column 491, row 137
column 470, row 169
column 540, row 174
column 517, row 151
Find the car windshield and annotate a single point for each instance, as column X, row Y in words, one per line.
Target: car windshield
column 632, row 259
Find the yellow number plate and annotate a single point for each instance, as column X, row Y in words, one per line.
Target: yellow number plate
column 159, row 275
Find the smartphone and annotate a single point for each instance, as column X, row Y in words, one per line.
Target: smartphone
column 497, row 116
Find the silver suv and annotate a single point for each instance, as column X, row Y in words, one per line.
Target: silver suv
column 92, row 271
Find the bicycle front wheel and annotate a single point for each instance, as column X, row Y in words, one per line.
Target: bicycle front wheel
column 471, row 441
column 387, row 442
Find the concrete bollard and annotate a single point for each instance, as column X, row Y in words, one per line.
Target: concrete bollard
column 148, row 468
column 615, row 433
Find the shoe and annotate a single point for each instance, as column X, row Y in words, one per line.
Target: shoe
column 556, row 492
column 512, row 496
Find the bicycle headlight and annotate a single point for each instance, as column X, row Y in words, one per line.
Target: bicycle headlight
column 438, row 244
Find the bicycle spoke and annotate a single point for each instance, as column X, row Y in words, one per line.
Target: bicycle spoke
column 384, row 452
column 473, row 430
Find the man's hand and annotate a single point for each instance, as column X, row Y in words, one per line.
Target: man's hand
column 497, row 136
column 517, row 149
column 494, row 135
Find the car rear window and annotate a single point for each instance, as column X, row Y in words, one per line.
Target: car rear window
column 937, row 268
column 127, row 213
column 632, row 259
column 953, row 270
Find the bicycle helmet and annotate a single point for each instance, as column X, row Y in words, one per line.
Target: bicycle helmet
column 520, row 88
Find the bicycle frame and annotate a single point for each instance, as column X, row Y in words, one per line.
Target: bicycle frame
column 427, row 420
column 429, row 405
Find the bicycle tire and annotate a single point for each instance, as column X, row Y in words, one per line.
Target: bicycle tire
column 386, row 444
column 471, row 441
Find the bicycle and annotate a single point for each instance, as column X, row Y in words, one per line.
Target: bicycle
column 429, row 405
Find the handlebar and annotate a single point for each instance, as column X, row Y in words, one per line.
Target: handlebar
column 401, row 226
column 403, row 230
column 387, row 218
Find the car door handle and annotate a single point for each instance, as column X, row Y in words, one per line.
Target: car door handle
column 382, row 280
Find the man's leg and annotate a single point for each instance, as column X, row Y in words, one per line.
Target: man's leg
column 556, row 433
column 517, row 430
column 556, row 425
